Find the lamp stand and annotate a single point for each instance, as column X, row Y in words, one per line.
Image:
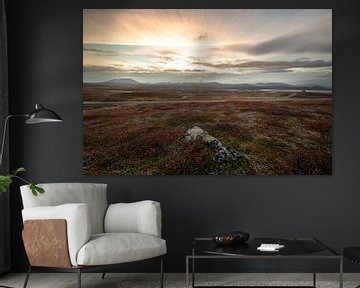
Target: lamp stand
column 39, row 115
column 2, row 152
column 4, row 135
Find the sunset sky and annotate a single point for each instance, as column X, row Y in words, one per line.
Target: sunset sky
column 226, row 46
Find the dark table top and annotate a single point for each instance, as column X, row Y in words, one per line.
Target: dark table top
column 293, row 247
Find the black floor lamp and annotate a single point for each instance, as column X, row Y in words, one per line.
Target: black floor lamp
column 39, row 115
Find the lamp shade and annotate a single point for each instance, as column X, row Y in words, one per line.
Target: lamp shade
column 42, row 115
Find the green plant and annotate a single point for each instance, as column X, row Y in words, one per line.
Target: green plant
column 6, row 180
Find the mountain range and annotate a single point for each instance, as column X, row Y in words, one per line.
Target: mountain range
column 214, row 85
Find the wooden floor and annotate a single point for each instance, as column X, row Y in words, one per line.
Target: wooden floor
column 114, row 280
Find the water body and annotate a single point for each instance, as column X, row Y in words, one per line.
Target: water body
column 297, row 90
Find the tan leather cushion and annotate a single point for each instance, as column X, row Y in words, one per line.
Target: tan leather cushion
column 78, row 226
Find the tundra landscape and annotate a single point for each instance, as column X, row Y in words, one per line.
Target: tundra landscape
column 140, row 130
column 207, row 91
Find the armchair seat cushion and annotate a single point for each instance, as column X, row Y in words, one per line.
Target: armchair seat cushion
column 113, row 248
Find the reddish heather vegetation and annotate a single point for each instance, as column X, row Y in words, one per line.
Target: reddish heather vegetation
column 142, row 132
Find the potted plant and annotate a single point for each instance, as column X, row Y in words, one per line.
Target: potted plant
column 6, row 180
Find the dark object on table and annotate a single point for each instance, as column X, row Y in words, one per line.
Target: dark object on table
column 242, row 236
column 231, row 238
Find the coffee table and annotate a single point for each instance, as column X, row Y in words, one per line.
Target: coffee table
column 295, row 248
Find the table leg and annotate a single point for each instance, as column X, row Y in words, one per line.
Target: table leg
column 193, row 272
column 341, row 273
column 314, row 271
column 187, row 272
column 193, row 267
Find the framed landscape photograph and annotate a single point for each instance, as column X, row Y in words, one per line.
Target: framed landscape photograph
column 207, row 92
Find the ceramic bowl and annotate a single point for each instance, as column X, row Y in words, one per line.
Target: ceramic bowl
column 225, row 239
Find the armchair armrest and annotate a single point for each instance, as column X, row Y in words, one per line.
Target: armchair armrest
column 138, row 217
column 77, row 217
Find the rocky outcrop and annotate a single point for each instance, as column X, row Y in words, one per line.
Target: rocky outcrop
column 223, row 152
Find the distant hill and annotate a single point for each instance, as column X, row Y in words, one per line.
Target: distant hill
column 274, row 85
column 121, row 81
column 210, row 85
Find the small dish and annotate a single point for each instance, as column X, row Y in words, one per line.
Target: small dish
column 225, row 239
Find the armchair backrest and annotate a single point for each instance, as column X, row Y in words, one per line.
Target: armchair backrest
column 92, row 194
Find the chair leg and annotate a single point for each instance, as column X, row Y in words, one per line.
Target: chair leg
column 79, row 277
column 161, row 273
column 27, row 277
column 103, row 275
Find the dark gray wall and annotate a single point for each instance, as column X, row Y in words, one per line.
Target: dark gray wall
column 45, row 43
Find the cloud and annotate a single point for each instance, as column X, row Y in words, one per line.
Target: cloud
column 195, row 70
column 100, row 52
column 184, row 71
column 166, row 59
column 317, row 41
column 141, row 70
column 168, row 52
column 295, row 43
column 267, row 66
column 202, row 37
column 119, row 69
column 277, row 71
column 98, row 68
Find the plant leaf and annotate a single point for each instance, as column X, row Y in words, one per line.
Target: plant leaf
column 20, row 169
column 5, row 182
column 36, row 189
column 39, row 189
column 33, row 189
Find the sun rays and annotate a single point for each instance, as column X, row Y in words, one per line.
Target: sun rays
column 235, row 44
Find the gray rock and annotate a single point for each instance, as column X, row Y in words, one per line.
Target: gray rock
column 223, row 152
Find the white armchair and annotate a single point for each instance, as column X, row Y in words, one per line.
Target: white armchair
column 72, row 228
